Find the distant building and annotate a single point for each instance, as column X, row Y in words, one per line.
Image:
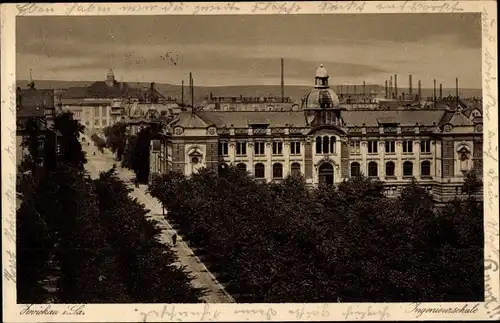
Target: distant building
column 327, row 143
column 241, row 103
column 34, row 104
column 102, row 103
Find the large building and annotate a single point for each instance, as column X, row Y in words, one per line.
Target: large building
column 38, row 105
column 327, row 143
column 103, row 102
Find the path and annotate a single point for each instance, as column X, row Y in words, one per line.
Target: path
column 203, row 278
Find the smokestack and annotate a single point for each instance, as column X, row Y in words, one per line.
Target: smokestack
column 364, row 88
column 386, row 89
column 434, row 98
column 440, row 91
column 192, row 92
column 182, row 94
column 410, row 87
column 390, row 88
column 282, row 81
column 456, row 89
column 396, row 86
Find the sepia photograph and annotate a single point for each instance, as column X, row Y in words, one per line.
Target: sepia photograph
column 250, row 159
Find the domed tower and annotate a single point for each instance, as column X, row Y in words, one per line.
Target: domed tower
column 322, row 105
column 110, row 78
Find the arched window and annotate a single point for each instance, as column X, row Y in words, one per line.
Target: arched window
column 425, row 168
column 332, row 144
column 355, row 169
column 407, row 168
column 318, row 145
column 389, row 169
column 295, row 169
column 242, row 167
column 325, row 145
column 259, row 170
column 372, row 169
column 277, row 170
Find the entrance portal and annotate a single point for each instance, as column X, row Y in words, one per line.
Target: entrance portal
column 326, row 174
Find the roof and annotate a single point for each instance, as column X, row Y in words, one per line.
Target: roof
column 33, row 102
column 100, row 89
column 190, row 120
column 401, row 117
column 242, row 119
column 458, row 119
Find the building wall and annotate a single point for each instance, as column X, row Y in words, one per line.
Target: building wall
column 94, row 117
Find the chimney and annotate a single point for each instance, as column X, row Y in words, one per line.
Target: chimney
column 456, row 89
column 440, row 91
column 282, row 82
column 191, row 84
column 419, row 90
column 395, row 86
column 390, row 88
column 182, row 94
column 434, row 97
column 410, row 87
column 386, row 89
column 364, row 89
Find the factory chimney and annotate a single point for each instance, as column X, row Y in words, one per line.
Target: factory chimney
column 419, row 90
column 390, row 88
column 191, row 85
column 440, row 91
column 282, row 81
column 386, row 89
column 396, row 86
column 456, row 89
column 182, row 94
column 434, row 97
column 410, row 87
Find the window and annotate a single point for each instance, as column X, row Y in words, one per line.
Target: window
column 425, row 146
column 223, row 149
column 326, row 145
column 407, row 146
column 333, row 141
column 104, row 122
column 355, row 169
column 241, row 167
column 259, row 148
column 277, row 170
column 354, row 147
column 389, row 169
column 96, row 122
column 259, row 170
column 104, row 111
column 407, row 168
column 96, row 111
column 241, row 148
column 372, row 147
column 425, row 168
column 277, row 148
column 372, row 169
column 295, row 148
column 318, row 145
column 295, row 169
column 390, row 146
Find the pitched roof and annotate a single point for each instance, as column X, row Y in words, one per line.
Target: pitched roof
column 401, row 117
column 100, row 89
column 242, row 119
column 190, row 120
column 458, row 119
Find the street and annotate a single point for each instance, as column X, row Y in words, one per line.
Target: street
column 203, row 278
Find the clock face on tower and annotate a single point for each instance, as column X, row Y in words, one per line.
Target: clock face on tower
column 178, row 131
column 447, row 128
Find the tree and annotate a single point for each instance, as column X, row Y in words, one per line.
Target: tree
column 70, row 148
column 116, row 138
column 146, row 265
column 33, row 142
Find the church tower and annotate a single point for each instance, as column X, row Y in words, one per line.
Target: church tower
column 110, row 78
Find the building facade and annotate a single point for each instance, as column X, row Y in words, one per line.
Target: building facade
column 39, row 105
column 327, row 143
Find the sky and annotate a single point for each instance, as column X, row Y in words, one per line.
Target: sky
column 246, row 49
